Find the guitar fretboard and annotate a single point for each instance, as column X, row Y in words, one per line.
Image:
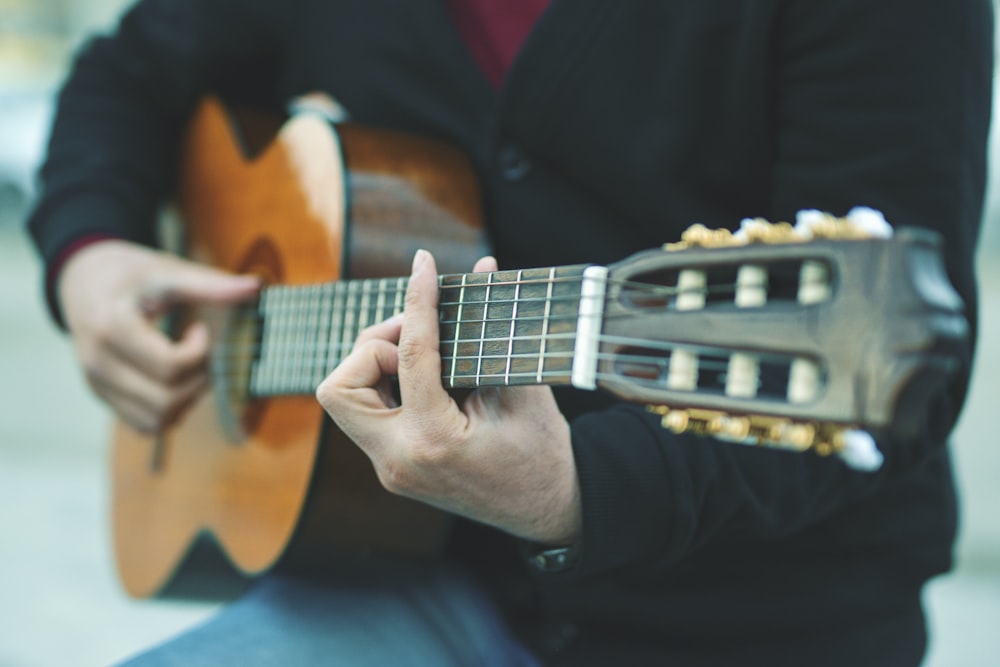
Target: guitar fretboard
column 500, row 328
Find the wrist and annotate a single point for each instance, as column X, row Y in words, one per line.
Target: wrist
column 55, row 270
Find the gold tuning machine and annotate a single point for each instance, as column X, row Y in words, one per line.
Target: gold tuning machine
column 860, row 223
column 824, row 439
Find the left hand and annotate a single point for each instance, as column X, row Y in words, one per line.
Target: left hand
column 503, row 456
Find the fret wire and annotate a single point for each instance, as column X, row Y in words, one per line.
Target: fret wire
column 400, row 291
column 513, row 321
column 482, row 338
column 458, row 327
column 545, row 323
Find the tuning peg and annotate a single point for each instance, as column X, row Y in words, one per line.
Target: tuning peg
column 860, row 452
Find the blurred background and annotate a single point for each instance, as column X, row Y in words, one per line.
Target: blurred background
column 60, row 603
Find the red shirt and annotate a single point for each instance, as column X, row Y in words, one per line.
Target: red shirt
column 494, row 30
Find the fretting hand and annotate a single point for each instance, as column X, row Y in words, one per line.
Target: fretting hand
column 502, row 456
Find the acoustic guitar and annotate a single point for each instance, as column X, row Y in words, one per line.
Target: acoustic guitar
column 863, row 340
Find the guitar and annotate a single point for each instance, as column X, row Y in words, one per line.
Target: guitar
column 864, row 341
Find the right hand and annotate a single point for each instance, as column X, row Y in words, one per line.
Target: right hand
column 112, row 293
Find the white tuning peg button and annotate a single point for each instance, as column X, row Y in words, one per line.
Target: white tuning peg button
column 860, row 451
column 870, row 221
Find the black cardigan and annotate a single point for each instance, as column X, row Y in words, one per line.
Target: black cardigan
column 620, row 124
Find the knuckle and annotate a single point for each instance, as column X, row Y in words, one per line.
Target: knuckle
column 410, row 353
column 395, row 478
column 325, row 392
column 103, row 333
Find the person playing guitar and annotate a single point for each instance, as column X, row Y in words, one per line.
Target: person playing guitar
column 585, row 532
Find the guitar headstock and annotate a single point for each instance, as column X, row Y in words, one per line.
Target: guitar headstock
column 807, row 337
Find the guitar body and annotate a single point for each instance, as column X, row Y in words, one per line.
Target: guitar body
column 312, row 205
column 696, row 330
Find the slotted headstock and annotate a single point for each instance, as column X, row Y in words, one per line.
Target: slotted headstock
column 800, row 337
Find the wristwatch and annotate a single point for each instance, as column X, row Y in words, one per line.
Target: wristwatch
column 554, row 559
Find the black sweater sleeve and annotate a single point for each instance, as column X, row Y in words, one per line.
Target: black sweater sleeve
column 113, row 148
column 884, row 104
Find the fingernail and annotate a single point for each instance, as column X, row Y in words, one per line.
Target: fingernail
column 419, row 260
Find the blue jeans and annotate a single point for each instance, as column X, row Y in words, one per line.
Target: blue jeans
column 404, row 615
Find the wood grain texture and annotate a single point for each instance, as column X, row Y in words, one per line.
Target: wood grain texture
column 283, row 215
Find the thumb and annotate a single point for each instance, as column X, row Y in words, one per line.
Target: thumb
column 188, row 282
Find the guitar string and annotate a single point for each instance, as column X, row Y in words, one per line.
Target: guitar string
column 549, row 377
column 279, row 320
column 284, row 348
column 391, row 285
column 339, row 290
column 385, row 289
column 336, row 352
column 645, row 360
column 322, row 294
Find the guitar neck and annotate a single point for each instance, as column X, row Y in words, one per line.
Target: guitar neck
column 497, row 329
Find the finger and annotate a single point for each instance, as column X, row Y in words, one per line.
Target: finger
column 387, row 330
column 139, row 343
column 357, row 381
column 195, row 284
column 140, row 400
column 419, row 355
column 485, row 265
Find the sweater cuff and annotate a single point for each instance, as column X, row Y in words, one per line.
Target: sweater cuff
column 626, row 494
column 64, row 226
